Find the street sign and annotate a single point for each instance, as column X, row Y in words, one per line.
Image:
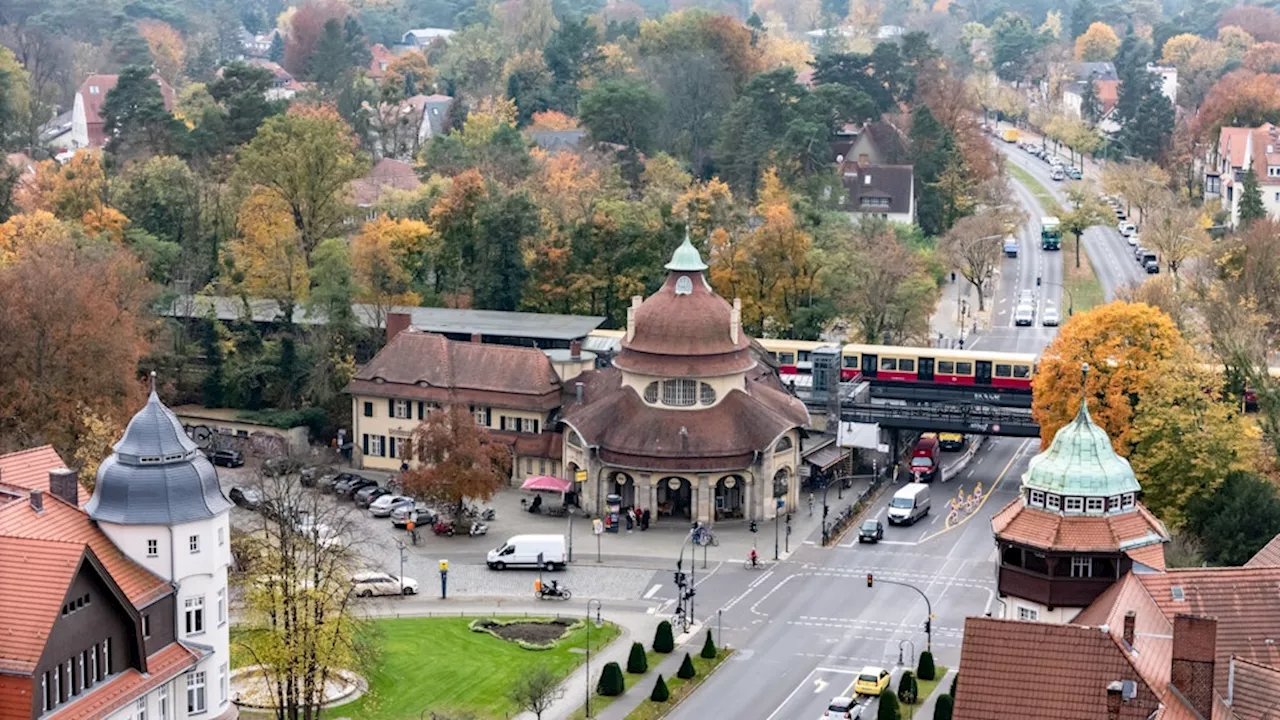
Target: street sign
column 580, row 476
column 597, row 526
column 782, row 502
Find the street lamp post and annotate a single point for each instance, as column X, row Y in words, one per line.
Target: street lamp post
column 588, row 662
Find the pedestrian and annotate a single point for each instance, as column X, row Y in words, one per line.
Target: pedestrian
column 644, row 519
column 810, row 503
column 631, row 518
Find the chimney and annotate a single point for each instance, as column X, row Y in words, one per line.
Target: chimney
column 63, row 484
column 735, row 321
column 631, row 317
column 37, row 501
column 1130, row 621
column 477, row 338
column 397, row 323
column 577, row 390
column 1195, row 641
column 1115, row 699
column 575, row 350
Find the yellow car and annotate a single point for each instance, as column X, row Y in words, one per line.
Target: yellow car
column 871, row 681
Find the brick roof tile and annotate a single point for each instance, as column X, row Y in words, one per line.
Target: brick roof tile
column 1268, row 556
column 29, row 469
column 1050, row 530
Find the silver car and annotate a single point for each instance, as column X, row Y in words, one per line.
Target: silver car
column 1024, row 315
column 1049, row 318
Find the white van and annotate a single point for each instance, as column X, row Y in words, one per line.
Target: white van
column 523, row 551
column 909, row 504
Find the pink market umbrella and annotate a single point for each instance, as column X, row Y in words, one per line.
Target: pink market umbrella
column 546, row 483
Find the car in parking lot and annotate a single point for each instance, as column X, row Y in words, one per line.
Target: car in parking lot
column 1024, row 315
column 383, row 506
column 871, row 680
column 843, row 707
column 368, row 584
column 1057, row 175
column 227, row 458
column 1138, row 254
column 368, row 494
column 871, row 531
column 1049, row 318
column 1127, row 228
column 347, row 488
column 419, row 513
column 247, row 498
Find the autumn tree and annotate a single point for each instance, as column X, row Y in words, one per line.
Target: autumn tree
column 506, row 224
column 1175, row 232
column 29, row 230
column 135, row 118
column 408, row 75
column 1098, row 43
column 1241, row 98
column 974, row 247
column 74, row 325
column 305, row 158
column 1087, row 210
column 1263, row 57
column 452, row 460
column 305, row 30
column 1128, row 348
column 70, row 190
column 383, row 255
column 168, row 49
column 266, row 259
column 455, row 219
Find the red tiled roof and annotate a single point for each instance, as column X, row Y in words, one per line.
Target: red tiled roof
column 381, row 57
column 29, row 469
column 1232, row 143
column 724, row 436
column 1256, row 691
column 388, row 174
column 34, row 576
column 1150, row 555
column 431, row 367
column 1153, row 632
column 1011, row 670
column 93, row 101
column 1268, row 556
column 1053, row 531
column 104, row 700
column 684, row 333
column 1108, row 94
column 1264, row 137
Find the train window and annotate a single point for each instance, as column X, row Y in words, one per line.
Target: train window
column 946, row 367
column 773, row 356
column 1022, row 372
column 964, row 368
column 851, row 362
column 804, row 356
column 888, row 363
column 1003, row 370
column 906, row 365
column 786, row 358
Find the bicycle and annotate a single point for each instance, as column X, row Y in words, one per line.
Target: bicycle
column 749, row 565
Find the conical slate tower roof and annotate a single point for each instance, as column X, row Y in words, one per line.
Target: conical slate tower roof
column 157, row 475
column 1081, row 462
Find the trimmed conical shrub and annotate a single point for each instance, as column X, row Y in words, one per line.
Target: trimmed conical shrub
column 663, row 640
column 660, row 692
column 943, row 709
column 954, row 678
column 709, row 648
column 637, row 663
column 686, row 670
column 611, row 683
column 889, row 709
column 908, row 690
column 925, row 669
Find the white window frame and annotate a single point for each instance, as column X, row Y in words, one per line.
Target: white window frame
column 1074, row 503
column 193, row 544
column 44, row 692
column 223, row 682
column 480, row 415
column 142, row 708
column 146, row 625
column 195, row 692
column 1053, row 502
column 106, row 657
column 375, row 446
column 1113, row 502
column 1095, row 504
column 222, row 607
column 1081, row 567
column 193, row 615
column 402, row 410
column 680, row 392
column 1037, row 498
column 153, row 548
column 162, row 703
column 1127, row 501
column 1028, row 614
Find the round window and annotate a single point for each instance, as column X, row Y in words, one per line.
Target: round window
column 706, row 394
column 651, row 393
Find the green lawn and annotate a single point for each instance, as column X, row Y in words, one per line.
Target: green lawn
column 440, row 664
column 926, row 687
column 1033, row 186
column 679, row 688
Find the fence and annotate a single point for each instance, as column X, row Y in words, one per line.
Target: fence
column 843, row 519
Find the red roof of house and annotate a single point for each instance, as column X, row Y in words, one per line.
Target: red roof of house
column 93, row 93
column 1108, row 94
column 388, row 174
column 381, row 57
column 1268, row 556
column 104, row 700
column 1232, row 143
column 29, row 469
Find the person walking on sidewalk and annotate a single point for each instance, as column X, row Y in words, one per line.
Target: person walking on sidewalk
column 810, row 504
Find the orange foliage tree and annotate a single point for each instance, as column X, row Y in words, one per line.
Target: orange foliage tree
column 1241, row 98
column 1128, row 347
column 69, row 191
column 168, row 49
column 266, row 258
column 1263, row 57
column 455, row 460
column 73, row 322
column 27, row 230
column 305, row 28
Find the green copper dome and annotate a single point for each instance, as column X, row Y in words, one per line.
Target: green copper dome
column 1081, row 462
column 686, row 258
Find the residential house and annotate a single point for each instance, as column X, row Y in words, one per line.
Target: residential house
column 1237, row 150
column 86, row 118
column 118, row 610
column 283, row 85
column 380, row 59
column 869, row 143
column 387, row 176
column 513, row 392
column 554, row 141
column 257, row 46
column 1106, row 85
column 884, row 191
column 1168, row 81
column 422, row 37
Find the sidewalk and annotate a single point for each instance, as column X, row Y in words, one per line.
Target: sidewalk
column 945, row 322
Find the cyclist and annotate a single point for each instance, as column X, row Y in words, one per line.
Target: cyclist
column 754, row 557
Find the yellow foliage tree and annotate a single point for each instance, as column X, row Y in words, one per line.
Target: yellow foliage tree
column 553, row 120
column 69, row 191
column 382, row 255
column 1098, row 43
column 705, row 207
column 664, row 180
column 1179, row 49
column 568, row 185
column 410, row 71
column 26, row 230
column 489, row 115
column 1128, row 348
column 96, row 434
column 168, row 49
column 105, row 222
column 781, row 51
column 266, row 258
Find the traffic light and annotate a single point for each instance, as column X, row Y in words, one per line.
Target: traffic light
column 870, row 580
column 927, row 626
column 753, row 526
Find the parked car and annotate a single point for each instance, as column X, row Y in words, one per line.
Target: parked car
column 383, row 506
column 366, row 495
column 1134, row 240
column 330, row 483
column 871, row 681
column 347, row 488
column 1127, row 228
column 247, row 498
column 1058, row 174
column 368, row 584
column 1024, row 315
column 1150, row 263
column 843, row 707
column 1049, row 318
column 227, row 458
column 871, row 531
column 1139, row 253
column 419, row 513
column 1074, row 173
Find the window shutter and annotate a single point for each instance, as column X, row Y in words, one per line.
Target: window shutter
column 391, row 408
column 420, row 403
column 384, row 445
column 488, row 417
column 364, row 444
column 391, row 448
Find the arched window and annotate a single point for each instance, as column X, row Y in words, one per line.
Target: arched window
column 574, row 440
column 706, row 394
column 783, row 445
column 679, row 393
column 651, row 393
column 684, row 286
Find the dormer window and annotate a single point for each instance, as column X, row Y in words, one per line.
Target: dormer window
column 94, row 90
column 1053, row 502
column 1094, row 504
column 1036, row 498
column 1075, row 504
column 1128, row 501
column 684, row 286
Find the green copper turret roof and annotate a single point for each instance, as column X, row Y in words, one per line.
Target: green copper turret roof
column 1081, row 462
column 686, row 258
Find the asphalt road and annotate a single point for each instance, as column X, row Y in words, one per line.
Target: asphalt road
column 805, row 627
column 1110, row 253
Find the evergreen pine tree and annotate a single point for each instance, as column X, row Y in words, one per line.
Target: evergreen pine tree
column 1090, row 105
column 660, row 692
column 611, row 683
column 908, row 690
column 276, row 53
column 955, row 677
column 637, row 663
column 889, row 709
column 925, row 669
column 686, row 670
column 663, row 640
column 709, row 647
column 943, row 709
column 1251, row 207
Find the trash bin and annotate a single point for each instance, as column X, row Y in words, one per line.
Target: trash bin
column 613, row 503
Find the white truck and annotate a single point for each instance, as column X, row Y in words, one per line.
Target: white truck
column 909, row 504
column 534, row 551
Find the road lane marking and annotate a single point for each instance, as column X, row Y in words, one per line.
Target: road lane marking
column 804, row 682
column 708, row 575
column 652, row 591
column 985, row 496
